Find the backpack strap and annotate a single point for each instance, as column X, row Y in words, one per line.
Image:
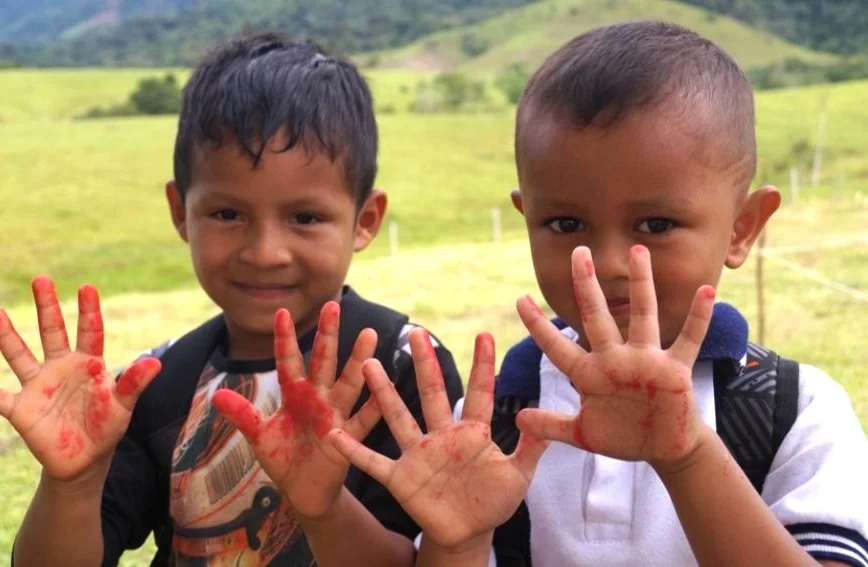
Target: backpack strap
column 756, row 407
column 358, row 314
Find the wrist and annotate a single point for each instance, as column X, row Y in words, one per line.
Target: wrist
column 706, row 446
column 467, row 551
column 85, row 485
column 328, row 516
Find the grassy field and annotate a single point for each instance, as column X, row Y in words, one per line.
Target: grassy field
column 458, row 291
column 84, row 202
column 528, row 34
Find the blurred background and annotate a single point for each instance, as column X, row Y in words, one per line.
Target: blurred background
column 89, row 91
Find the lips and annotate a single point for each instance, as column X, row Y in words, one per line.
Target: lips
column 619, row 306
column 264, row 290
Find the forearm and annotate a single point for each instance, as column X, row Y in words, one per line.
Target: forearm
column 473, row 553
column 351, row 535
column 60, row 518
column 725, row 520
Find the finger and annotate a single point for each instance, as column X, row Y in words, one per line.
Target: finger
column 7, row 403
column 324, row 358
column 363, row 421
column 644, row 324
column 290, row 363
column 15, row 351
column 553, row 426
column 377, row 466
column 479, row 403
column 52, row 329
column 401, row 422
column 528, row 453
column 689, row 341
column 135, row 379
column 432, row 391
column 346, row 390
column 601, row 330
column 239, row 412
column 91, row 338
column 567, row 356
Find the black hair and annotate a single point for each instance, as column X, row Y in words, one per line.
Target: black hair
column 604, row 74
column 255, row 87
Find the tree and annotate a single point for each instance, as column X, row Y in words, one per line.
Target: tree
column 157, row 96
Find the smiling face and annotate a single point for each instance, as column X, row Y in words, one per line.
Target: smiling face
column 280, row 234
column 640, row 181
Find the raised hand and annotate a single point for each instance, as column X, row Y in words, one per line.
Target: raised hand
column 454, row 481
column 290, row 444
column 70, row 412
column 636, row 399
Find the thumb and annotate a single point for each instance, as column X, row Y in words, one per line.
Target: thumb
column 239, row 412
column 135, row 379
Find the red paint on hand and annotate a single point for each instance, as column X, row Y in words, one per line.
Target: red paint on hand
column 533, row 306
column 88, row 299
column 50, row 390
column 652, row 390
column 131, row 380
column 43, row 289
column 589, row 267
column 710, row 293
column 95, row 368
column 98, row 411
column 284, row 333
column 304, row 406
column 424, row 443
column 70, row 441
column 236, row 407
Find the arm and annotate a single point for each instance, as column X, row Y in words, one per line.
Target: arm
column 637, row 404
column 71, row 414
column 444, row 478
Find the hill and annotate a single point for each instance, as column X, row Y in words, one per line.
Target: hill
column 177, row 32
column 529, row 33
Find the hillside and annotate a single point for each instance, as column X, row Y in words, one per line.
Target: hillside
column 528, row 34
column 177, row 33
column 839, row 27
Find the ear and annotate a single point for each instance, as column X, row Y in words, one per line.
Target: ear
column 370, row 219
column 755, row 212
column 515, row 196
column 176, row 209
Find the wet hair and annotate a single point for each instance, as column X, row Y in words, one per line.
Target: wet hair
column 601, row 76
column 256, row 87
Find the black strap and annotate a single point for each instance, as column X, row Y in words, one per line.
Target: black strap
column 786, row 400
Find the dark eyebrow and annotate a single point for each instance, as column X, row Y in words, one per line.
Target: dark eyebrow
column 662, row 203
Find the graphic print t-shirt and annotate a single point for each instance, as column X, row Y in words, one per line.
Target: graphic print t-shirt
column 224, row 508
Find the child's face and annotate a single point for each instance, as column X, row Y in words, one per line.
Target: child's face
column 642, row 181
column 278, row 235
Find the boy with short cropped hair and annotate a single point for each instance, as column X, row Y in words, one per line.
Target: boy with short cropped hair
column 635, row 149
column 275, row 161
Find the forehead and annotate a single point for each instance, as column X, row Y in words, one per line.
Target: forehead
column 278, row 174
column 643, row 155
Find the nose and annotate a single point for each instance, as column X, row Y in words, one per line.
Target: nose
column 611, row 255
column 267, row 245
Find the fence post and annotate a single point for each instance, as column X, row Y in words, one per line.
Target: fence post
column 496, row 229
column 393, row 238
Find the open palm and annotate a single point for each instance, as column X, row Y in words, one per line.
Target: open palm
column 453, row 481
column 290, row 444
column 636, row 399
column 70, row 412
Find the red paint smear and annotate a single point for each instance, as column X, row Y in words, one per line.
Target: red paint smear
column 239, row 410
column 94, row 368
column 648, row 422
column 70, row 442
column 652, row 390
column 429, row 347
column 50, row 390
column 306, row 408
column 589, row 266
column 638, row 249
column 579, row 434
column 710, row 293
column 98, row 411
column 636, row 383
column 330, row 314
column 284, row 333
column 317, row 357
column 424, row 443
column 457, row 457
column 130, row 381
column 613, row 378
column 43, row 289
column 88, row 299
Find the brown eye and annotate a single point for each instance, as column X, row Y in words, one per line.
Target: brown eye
column 566, row 225
column 225, row 215
column 655, row 226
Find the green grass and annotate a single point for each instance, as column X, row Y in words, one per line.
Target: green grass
column 530, row 33
column 84, row 199
column 458, row 291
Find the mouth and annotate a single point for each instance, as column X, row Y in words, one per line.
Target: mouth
column 264, row 290
column 619, row 306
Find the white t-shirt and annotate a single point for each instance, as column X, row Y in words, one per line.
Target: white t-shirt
column 586, row 509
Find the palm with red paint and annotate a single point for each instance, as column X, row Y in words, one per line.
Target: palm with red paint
column 636, row 399
column 290, row 444
column 454, row 481
column 70, row 411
